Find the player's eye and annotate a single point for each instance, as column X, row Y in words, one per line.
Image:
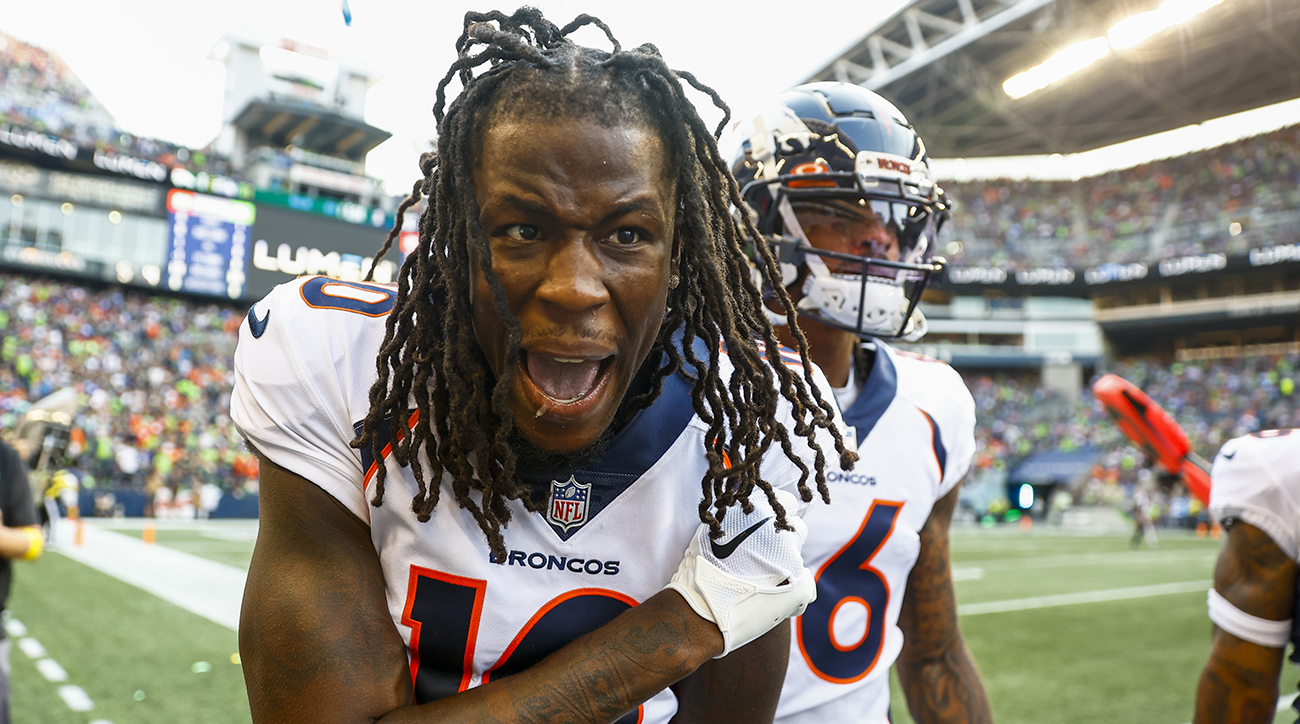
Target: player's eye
column 627, row 236
column 523, row 232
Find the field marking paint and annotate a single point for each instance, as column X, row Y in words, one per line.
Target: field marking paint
column 76, row 698
column 1109, row 559
column 51, row 670
column 32, row 648
column 967, row 574
column 201, row 586
column 1069, row 599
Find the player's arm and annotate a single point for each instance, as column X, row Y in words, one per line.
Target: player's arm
column 743, row 686
column 318, row 644
column 937, row 673
column 1239, row 682
column 20, row 537
column 24, row 542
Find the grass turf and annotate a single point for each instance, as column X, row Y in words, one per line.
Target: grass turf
column 1133, row 660
column 114, row 641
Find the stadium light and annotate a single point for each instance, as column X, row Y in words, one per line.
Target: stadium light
column 1026, row 496
column 1133, row 30
column 1122, row 35
column 1065, row 63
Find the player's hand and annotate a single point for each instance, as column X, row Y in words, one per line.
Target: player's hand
column 752, row 577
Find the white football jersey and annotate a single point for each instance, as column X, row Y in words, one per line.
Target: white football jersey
column 612, row 535
column 915, row 426
column 1256, row 479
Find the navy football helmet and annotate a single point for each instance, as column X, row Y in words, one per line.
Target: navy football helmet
column 836, row 161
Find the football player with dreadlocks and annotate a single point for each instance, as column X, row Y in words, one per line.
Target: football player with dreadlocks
column 477, row 485
column 841, row 186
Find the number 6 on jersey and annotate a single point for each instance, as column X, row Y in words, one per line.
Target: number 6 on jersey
column 848, row 579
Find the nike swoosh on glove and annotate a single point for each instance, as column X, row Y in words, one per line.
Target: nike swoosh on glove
column 737, row 581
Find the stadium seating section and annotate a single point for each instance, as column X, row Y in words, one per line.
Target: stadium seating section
column 1230, row 199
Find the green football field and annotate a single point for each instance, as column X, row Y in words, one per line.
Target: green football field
column 1065, row 628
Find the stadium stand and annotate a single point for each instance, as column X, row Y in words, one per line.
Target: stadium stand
column 152, row 378
column 40, row 94
column 1213, row 400
column 1240, row 196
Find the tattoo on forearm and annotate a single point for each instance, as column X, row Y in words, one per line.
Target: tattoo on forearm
column 935, row 669
column 947, row 690
column 601, row 685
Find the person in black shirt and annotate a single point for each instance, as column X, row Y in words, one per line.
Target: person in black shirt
column 20, row 537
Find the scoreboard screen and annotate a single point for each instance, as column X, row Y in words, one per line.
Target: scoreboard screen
column 209, row 246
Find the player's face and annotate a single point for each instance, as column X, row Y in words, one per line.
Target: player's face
column 842, row 226
column 579, row 219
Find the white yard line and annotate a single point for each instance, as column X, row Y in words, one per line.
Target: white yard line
column 1069, row 599
column 210, row 589
column 1084, row 559
column 74, row 696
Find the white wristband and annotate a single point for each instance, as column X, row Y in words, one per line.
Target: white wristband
column 1262, row 631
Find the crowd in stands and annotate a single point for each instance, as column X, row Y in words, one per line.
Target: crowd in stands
column 1212, row 400
column 153, row 381
column 152, row 378
column 1229, row 199
column 38, row 92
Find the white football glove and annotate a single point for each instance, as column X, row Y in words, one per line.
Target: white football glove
column 736, row 581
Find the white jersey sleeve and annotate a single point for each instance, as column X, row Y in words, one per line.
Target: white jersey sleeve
column 1256, row 479
column 941, row 394
column 303, row 369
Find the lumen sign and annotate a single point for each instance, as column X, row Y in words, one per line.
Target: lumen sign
column 310, row 260
column 287, row 244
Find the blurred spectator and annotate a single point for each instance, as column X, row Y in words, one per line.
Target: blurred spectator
column 20, row 537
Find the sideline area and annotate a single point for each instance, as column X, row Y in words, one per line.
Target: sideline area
column 210, row 589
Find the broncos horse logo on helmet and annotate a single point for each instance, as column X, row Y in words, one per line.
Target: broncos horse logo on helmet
column 834, row 160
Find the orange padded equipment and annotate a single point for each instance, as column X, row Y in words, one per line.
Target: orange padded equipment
column 1152, row 429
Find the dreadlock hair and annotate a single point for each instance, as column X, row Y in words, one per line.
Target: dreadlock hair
column 511, row 65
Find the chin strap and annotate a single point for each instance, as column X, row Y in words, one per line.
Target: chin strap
column 916, row 327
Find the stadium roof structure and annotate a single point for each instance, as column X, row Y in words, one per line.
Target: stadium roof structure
column 943, row 63
column 284, row 122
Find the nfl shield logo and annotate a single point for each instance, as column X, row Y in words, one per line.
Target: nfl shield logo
column 568, row 508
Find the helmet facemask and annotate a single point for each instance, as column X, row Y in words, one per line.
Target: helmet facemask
column 871, row 293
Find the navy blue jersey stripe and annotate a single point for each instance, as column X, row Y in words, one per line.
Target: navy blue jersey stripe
column 940, row 452
column 878, row 393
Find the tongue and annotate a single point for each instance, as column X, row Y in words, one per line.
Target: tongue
column 562, row 381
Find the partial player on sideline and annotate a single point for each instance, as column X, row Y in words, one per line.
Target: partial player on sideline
column 477, row 485
column 1255, row 496
column 842, row 182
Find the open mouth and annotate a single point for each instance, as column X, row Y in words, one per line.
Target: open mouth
column 563, row 386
